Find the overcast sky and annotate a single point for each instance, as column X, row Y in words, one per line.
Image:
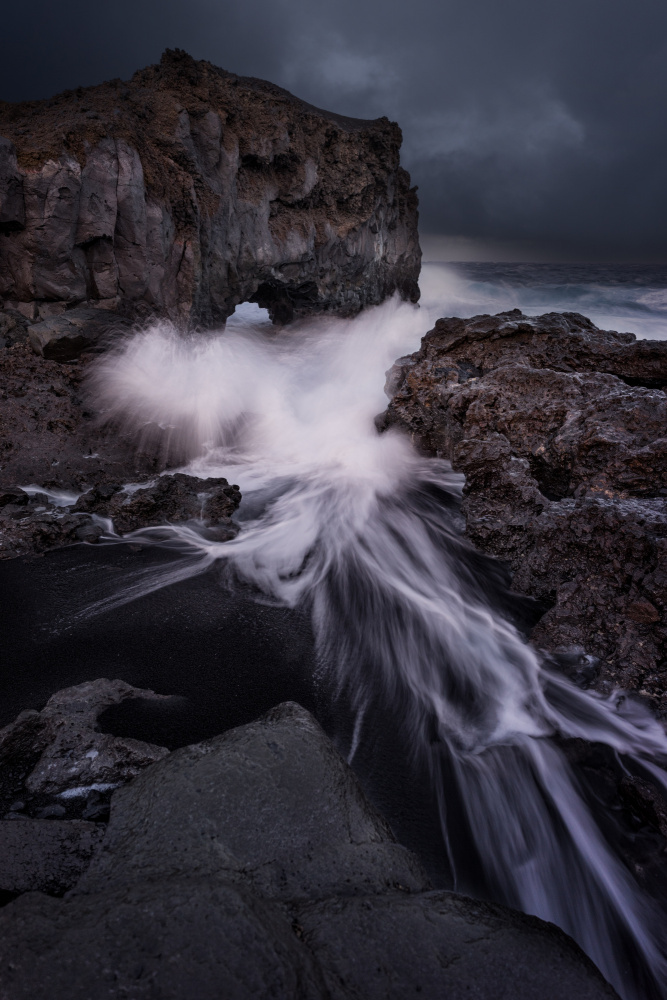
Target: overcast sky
column 536, row 123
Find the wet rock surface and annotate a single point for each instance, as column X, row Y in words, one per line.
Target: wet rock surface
column 251, row 865
column 187, row 190
column 561, row 431
column 175, row 498
column 31, row 523
column 34, row 522
column 56, row 764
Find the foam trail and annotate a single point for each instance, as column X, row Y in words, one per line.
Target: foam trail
column 366, row 533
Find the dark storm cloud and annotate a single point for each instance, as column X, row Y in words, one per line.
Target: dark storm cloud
column 522, row 119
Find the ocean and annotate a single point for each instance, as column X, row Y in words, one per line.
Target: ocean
column 623, row 297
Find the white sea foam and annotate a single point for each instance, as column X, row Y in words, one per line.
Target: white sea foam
column 81, row 791
column 613, row 297
column 348, row 522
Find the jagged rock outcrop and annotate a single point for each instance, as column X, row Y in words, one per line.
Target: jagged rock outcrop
column 170, row 499
column 187, row 190
column 561, row 431
column 251, row 865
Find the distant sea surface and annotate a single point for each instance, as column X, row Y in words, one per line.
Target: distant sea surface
column 623, row 297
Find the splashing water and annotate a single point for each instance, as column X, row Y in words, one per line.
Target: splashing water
column 365, row 532
column 624, row 297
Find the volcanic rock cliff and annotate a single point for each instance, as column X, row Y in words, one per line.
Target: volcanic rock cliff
column 188, row 190
column 561, row 432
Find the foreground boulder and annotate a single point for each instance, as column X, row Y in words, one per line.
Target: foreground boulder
column 187, row 190
column 561, row 431
column 252, row 866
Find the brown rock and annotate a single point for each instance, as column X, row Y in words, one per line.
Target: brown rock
column 643, row 612
column 188, row 190
column 561, row 431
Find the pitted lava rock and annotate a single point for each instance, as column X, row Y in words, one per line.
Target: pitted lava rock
column 187, row 190
column 57, row 764
column 561, row 431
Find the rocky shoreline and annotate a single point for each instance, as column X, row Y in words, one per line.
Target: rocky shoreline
column 251, row 864
column 561, row 432
column 175, row 195
column 33, row 521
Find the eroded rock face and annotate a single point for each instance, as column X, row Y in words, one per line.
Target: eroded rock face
column 188, row 190
column 251, row 865
column 561, row 431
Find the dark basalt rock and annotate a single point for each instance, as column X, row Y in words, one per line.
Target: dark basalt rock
column 173, row 499
column 66, row 336
column 271, row 804
column 187, row 190
column 46, row 855
column 251, row 865
column 49, row 434
column 56, row 763
column 31, row 524
column 439, row 944
column 34, row 524
column 561, row 431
